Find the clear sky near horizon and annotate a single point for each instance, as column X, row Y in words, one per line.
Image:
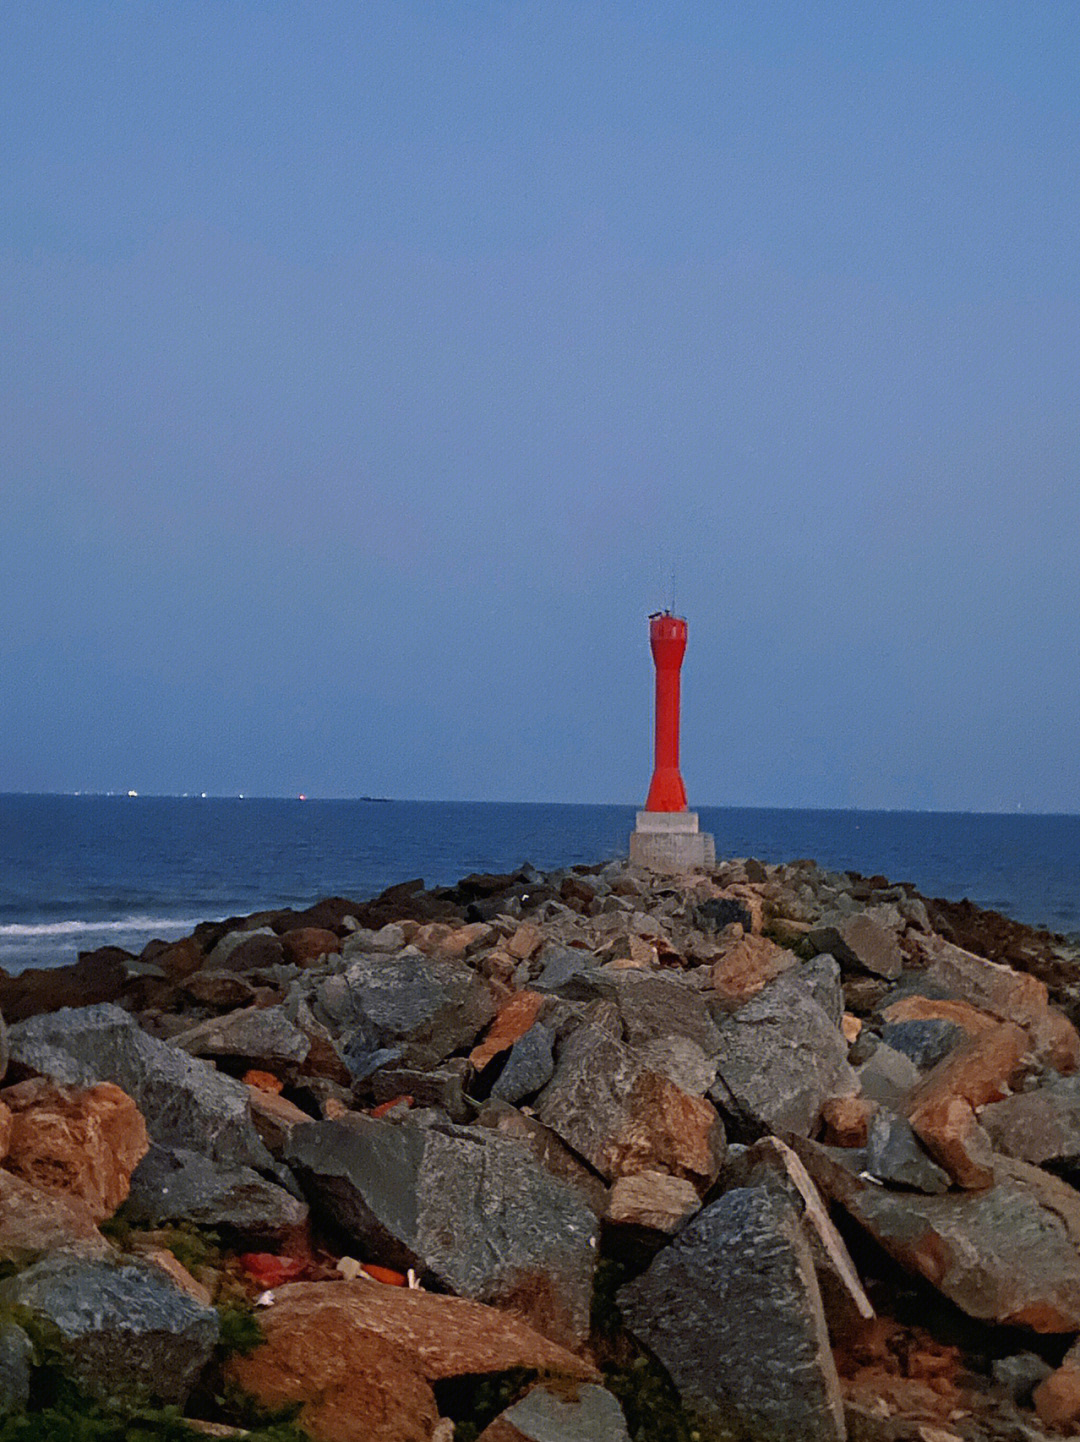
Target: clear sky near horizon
column 367, row 371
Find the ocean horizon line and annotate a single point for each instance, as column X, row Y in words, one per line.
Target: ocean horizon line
column 312, row 798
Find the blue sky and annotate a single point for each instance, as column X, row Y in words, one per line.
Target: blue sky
column 367, row 371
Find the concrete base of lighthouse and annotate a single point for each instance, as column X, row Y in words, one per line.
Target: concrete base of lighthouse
column 669, row 841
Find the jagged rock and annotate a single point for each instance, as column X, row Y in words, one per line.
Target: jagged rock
column 1009, row 1253
column 771, row 1163
column 345, row 1350
column 219, row 988
column 16, row 1360
column 623, row 1119
column 847, row 1121
column 1020, row 1374
column 681, row 1061
column 821, row 976
column 183, row 1100
column 123, row 1329
column 589, row 1414
column 33, row 1222
column 654, row 1007
column 1056, row 1398
column 888, row 1077
column 274, row 1118
column 256, row 1036
column 861, row 942
column 732, row 1309
column 779, row 1058
column 338, row 1375
column 240, row 950
column 747, row 965
column 307, row 945
column 1012, row 996
column 941, row 1109
column 548, row 1149
column 561, row 967
column 83, row 1143
column 470, row 1210
column 529, row 1066
column 1038, row 1126
column 893, row 1154
column 924, row 1042
column 652, row 1200
column 409, row 1009
column 513, row 1020
column 97, row 976
column 173, row 1185
column 444, row 1087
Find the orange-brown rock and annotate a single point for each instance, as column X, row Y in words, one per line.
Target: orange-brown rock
column 941, row 1109
column 306, row 944
column 264, row 1081
column 847, row 1121
column 344, row 1375
column 1057, row 1400
column 851, row 1026
column 5, row 1129
column 511, row 1022
column 33, row 1222
column 82, row 1142
column 526, row 940
column 355, row 1351
column 180, row 958
column 748, row 965
column 923, row 1008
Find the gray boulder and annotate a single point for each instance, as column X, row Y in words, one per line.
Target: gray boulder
column 652, row 1007
column 184, row 1101
column 1038, row 1126
column 861, row 943
column 16, row 1358
column 259, row 1036
column 924, row 1042
column 529, row 1067
column 470, row 1210
column 732, row 1309
column 124, row 1330
column 622, row 1118
column 588, row 1414
column 410, row 1010
column 887, row 1076
column 821, row 975
column 567, row 970
column 780, row 1058
column 174, row 1185
column 895, row 1155
column 680, row 1060
column 443, row 1087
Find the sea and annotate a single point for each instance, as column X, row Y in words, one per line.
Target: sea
column 79, row 872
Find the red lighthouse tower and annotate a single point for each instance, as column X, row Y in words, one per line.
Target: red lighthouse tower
column 666, row 837
column 667, row 639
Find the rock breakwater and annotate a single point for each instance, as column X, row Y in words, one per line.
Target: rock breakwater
column 765, row 1152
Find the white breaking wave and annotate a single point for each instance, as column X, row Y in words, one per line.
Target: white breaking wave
column 21, row 931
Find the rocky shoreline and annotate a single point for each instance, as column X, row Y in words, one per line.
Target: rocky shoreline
column 766, row 1152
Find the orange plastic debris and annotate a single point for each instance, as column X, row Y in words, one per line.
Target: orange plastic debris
column 384, row 1107
column 271, row 1271
column 385, row 1275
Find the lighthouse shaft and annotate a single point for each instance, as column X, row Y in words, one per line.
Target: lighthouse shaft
column 667, row 639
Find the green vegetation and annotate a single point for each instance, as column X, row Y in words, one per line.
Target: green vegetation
column 240, row 1330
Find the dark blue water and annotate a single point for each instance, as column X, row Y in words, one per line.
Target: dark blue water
column 80, row 871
